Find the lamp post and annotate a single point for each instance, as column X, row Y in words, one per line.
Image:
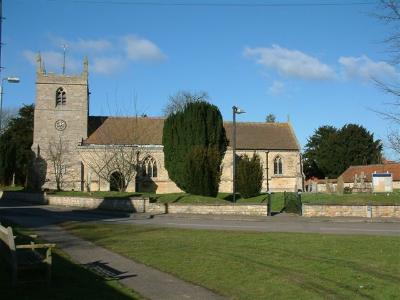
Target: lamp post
column 235, row 111
column 10, row 80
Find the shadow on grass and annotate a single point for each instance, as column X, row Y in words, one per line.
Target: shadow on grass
column 69, row 281
column 229, row 197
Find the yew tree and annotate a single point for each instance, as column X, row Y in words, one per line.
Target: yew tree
column 195, row 142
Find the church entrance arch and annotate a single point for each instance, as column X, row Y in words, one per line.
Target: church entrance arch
column 116, row 181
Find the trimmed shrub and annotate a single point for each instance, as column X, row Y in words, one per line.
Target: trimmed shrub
column 203, row 171
column 249, row 176
column 195, row 142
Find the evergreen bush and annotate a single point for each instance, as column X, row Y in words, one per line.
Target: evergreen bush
column 195, row 142
column 249, row 176
column 203, row 171
column 15, row 147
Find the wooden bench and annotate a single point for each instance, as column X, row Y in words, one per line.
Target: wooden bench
column 22, row 258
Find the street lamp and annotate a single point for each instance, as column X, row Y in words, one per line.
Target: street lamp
column 235, row 111
column 10, row 80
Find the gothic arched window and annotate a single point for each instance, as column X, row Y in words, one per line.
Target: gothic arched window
column 278, row 170
column 61, row 97
column 149, row 167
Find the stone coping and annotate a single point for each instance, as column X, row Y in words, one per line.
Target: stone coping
column 210, row 204
column 349, row 204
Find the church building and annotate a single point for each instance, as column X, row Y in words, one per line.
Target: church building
column 68, row 142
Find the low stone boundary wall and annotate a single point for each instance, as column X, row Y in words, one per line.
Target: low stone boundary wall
column 209, row 209
column 364, row 211
column 138, row 205
column 132, row 204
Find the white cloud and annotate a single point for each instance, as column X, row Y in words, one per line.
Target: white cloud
column 277, row 87
column 53, row 61
column 30, row 56
column 106, row 55
column 138, row 49
column 107, row 65
column 82, row 45
column 95, row 45
column 292, row 63
column 364, row 68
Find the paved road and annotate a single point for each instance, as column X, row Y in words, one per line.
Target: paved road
column 280, row 223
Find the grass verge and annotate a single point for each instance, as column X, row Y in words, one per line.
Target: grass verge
column 261, row 265
column 69, row 281
column 353, row 199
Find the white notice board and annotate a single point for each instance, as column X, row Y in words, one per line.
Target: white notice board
column 382, row 182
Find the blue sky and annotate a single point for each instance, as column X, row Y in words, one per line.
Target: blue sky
column 312, row 63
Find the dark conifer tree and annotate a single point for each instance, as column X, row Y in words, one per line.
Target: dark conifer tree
column 329, row 151
column 15, row 147
column 195, row 142
column 249, row 176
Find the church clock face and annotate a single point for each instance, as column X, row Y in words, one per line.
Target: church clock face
column 60, row 125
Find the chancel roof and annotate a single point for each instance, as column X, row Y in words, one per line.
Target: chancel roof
column 148, row 131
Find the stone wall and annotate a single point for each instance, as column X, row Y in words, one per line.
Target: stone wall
column 138, row 205
column 128, row 205
column 208, row 209
column 241, row 210
column 132, row 204
column 364, row 211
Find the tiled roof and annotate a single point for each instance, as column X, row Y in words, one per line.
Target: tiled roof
column 148, row 131
column 393, row 168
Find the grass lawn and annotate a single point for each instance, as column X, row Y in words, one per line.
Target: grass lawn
column 356, row 199
column 69, row 281
column 243, row 265
column 11, row 188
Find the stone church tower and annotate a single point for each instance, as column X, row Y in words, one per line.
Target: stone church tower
column 60, row 124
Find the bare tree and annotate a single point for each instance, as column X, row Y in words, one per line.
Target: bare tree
column 113, row 152
column 6, row 116
column 115, row 164
column 58, row 154
column 178, row 101
column 389, row 13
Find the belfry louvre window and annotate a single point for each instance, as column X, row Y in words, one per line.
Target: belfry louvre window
column 149, row 167
column 278, row 166
column 61, row 97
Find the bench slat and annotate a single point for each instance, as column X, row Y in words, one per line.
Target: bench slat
column 24, row 257
column 36, row 246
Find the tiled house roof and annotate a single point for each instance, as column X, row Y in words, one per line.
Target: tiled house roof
column 148, row 131
column 393, row 168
